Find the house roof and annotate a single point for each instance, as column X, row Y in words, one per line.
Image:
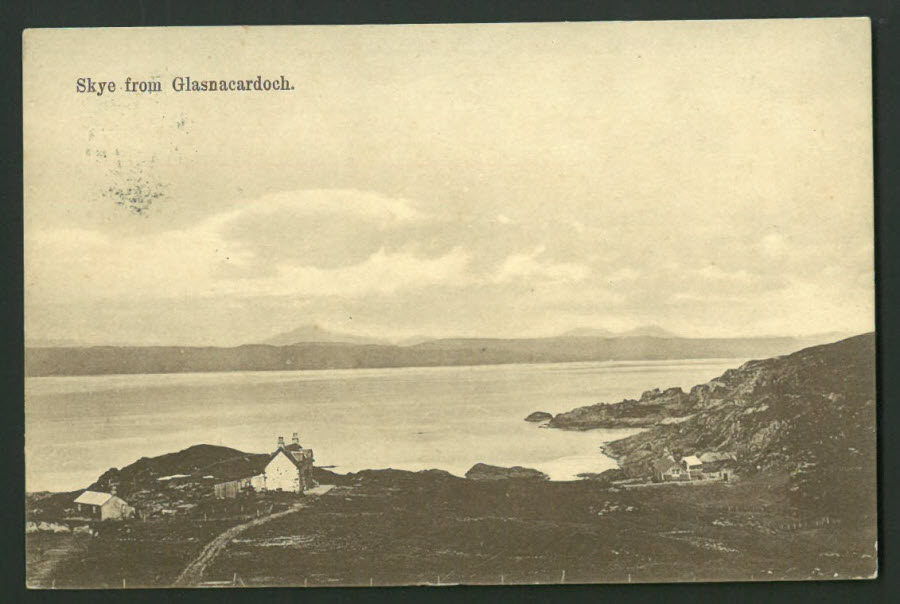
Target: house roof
column 93, row 498
column 691, row 460
column 287, row 453
column 711, row 456
column 663, row 464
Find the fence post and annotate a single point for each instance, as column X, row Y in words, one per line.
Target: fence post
column 563, row 579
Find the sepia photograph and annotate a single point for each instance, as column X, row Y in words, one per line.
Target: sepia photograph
column 449, row 304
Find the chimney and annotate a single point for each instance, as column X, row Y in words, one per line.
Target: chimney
column 295, row 439
column 280, row 442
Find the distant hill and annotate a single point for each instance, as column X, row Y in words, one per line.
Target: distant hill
column 101, row 360
column 653, row 331
column 315, row 334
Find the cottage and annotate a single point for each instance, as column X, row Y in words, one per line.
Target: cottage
column 103, row 506
column 666, row 469
column 288, row 469
column 693, row 466
column 718, row 470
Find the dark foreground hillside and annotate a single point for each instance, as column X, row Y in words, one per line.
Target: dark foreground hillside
column 392, row 527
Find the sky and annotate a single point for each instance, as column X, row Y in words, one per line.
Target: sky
column 499, row 180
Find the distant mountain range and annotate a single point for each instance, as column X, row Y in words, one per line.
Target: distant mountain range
column 332, row 351
column 653, row 331
column 314, row 333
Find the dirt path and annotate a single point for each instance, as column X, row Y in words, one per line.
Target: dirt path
column 44, row 553
column 193, row 573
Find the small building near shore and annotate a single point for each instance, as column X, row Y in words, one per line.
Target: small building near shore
column 693, row 466
column 103, row 506
column 666, row 469
column 720, row 469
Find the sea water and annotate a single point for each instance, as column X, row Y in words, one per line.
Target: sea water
column 408, row 418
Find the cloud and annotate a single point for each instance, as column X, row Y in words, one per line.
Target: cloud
column 306, row 243
column 530, row 266
column 321, row 228
column 364, row 205
column 624, row 274
column 382, row 273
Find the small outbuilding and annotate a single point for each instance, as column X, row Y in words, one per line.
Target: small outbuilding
column 692, row 465
column 718, row 470
column 103, row 506
column 666, row 469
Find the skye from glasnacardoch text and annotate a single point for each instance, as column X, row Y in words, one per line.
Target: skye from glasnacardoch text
column 130, row 85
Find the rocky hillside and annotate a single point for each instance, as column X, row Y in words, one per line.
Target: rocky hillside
column 197, row 462
column 810, row 415
column 653, row 408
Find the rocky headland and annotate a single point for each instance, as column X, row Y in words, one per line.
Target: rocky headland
column 539, row 417
column 483, row 471
column 809, row 415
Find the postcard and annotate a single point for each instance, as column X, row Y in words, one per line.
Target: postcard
column 381, row 305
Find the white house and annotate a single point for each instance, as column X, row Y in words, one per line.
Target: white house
column 666, row 469
column 290, row 467
column 103, row 506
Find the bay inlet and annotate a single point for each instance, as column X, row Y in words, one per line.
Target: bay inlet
column 406, row 418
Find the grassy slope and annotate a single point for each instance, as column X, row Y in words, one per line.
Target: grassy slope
column 400, row 528
column 414, row 531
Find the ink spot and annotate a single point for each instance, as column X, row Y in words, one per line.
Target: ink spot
column 135, row 188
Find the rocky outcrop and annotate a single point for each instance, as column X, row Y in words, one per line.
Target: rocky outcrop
column 483, row 471
column 539, row 417
column 606, row 476
column 652, row 408
column 809, row 416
